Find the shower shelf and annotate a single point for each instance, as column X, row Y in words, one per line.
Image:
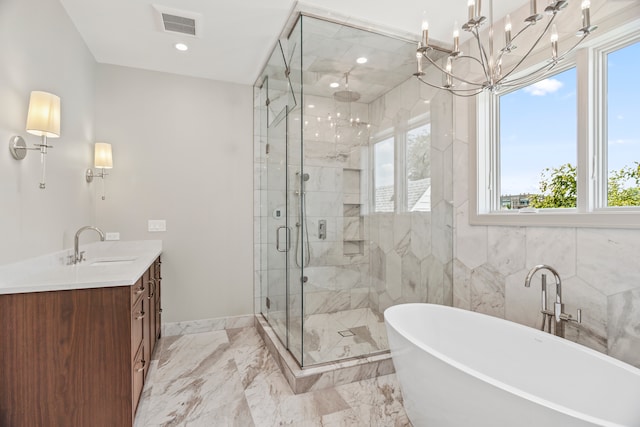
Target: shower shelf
column 353, row 241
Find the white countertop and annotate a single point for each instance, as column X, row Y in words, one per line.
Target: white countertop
column 107, row 264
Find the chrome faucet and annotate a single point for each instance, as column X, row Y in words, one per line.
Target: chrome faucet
column 77, row 255
column 557, row 313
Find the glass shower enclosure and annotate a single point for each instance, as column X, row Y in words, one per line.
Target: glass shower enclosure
column 353, row 189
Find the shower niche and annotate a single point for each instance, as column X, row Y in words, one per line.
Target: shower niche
column 357, row 157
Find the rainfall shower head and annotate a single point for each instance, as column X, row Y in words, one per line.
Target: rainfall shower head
column 346, row 95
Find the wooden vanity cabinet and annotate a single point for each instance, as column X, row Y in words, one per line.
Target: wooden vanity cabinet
column 76, row 357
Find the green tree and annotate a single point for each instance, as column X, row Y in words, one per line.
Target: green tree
column 622, row 191
column 558, row 187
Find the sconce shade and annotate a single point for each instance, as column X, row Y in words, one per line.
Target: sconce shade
column 43, row 118
column 103, row 157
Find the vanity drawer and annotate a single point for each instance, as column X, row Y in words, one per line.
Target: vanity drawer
column 137, row 290
column 137, row 375
column 137, row 324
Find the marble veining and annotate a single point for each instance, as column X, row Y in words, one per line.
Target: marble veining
column 229, row 378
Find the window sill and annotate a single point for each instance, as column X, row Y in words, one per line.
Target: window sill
column 572, row 218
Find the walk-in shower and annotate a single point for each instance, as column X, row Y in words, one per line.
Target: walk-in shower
column 353, row 164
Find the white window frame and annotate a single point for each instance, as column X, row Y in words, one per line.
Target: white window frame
column 592, row 166
column 400, row 186
column 378, row 138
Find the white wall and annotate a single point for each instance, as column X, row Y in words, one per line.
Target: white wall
column 41, row 50
column 182, row 152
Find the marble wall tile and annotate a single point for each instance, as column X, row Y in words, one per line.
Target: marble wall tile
column 421, row 234
column 552, row 246
column 522, row 304
column 378, row 264
column 433, row 270
column 385, row 232
column 437, row 176
column 394, row 275
column 461, row 172
column 401, row 233
column 326, row 302
column 623, row 326
column 352, row 228
column 592, row 332
column 461, row 285
column 487, row 291
column 413, row 288
column 470, row 241
column 506, row 249
column 605, row 256
column 322, row 178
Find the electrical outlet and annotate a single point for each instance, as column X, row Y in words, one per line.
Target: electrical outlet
column 112, row 236
column 155, row 225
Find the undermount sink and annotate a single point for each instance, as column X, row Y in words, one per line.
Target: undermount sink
column 113, row 261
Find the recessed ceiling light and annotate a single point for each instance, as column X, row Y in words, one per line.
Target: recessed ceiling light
column 334, row 85
column 181, row 47
column 361, row 60
column 311, row 106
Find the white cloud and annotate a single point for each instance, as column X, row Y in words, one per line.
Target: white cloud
column 544, row 87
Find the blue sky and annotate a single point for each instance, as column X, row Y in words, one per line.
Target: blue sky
column 538, row 124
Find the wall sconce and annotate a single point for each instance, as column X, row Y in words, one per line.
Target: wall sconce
column 103, row 159
column 43, row 119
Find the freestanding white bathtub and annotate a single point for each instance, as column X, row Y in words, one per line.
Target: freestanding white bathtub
column 465, row 369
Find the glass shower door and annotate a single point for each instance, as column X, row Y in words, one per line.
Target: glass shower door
column 276, row 280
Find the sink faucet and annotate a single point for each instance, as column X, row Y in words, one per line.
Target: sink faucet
column 77, row 256
column 557, row 312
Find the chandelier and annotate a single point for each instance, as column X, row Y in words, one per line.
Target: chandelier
column 495, row 76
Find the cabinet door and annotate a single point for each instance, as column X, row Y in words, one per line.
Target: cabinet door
column 158, row 310
column 151, row 298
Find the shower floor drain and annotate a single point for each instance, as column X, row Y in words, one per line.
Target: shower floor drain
column 346, row 333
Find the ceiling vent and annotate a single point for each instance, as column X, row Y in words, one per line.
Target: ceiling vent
column 179, row 24
column 179, row 21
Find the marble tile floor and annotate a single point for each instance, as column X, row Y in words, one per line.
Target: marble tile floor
column 228, row 378
column 364, row 332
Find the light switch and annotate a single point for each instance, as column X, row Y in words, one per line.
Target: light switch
column 112, row 236
column 156, row 225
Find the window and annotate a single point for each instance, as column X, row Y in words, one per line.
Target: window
column 383, row 175
column 402, row 167
column 418, row 168
column 531, row 150
column 623, row 126
column 566, row 149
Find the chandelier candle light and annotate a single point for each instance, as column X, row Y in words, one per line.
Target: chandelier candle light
column 495, row 78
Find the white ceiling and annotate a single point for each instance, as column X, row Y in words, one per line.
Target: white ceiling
column 238, row 35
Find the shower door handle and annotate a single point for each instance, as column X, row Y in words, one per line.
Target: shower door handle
column 288, row 240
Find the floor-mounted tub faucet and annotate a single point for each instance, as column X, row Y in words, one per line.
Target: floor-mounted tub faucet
column 557, row 313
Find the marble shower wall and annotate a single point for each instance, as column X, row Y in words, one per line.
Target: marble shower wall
column 412, row 252
column 598, row 266
column 334, row 156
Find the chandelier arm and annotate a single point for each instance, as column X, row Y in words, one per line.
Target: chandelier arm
column 545, row 68
column 530, row 78
column 453, row 91
column 435, row 64
column 525, row 28
column 484, row 60
column 526, row 55
column 572, row 48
